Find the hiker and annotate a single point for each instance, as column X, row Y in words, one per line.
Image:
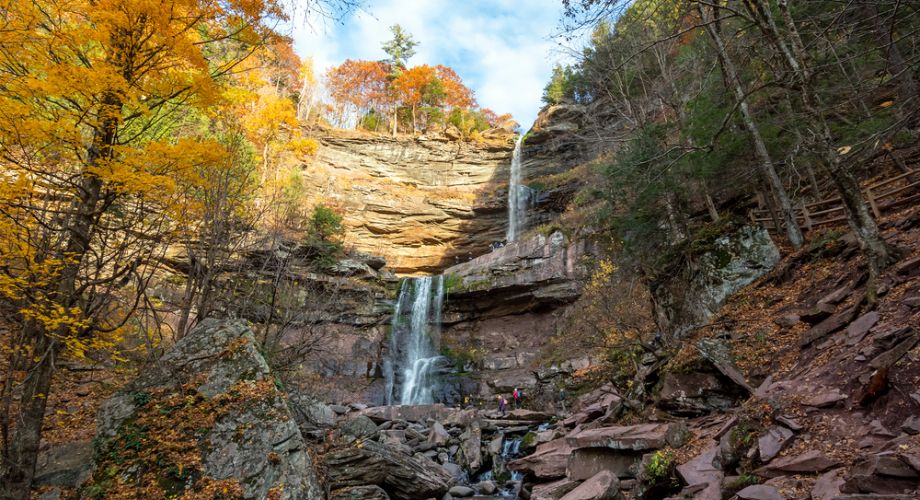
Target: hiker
column 562, row 398
column 501, row 404
column 516, row 395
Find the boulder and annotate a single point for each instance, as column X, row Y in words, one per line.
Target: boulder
column 760, row 492
column 485, row 487
column 471, row 448
column 367, row 492
column 828, row 485
column 810, row 462
column 731, row 262
column 788, row 320
column 693, row 394
column 818, row 313
column 371, row 463
column 602, row 486
column 828, row 326
column 310, row 413
column 548, row 462
column 628, row 437
column 552, row 491
column 358, row 427
column 461, row 491
column 702, row 475
column 859, row 328
column 911, row 425
column 535, row 416
column 215, row 390
column 586, row 462
column 883, row 473
column 824, row 398
column 772, row 442
column 409, row 413
column 65, row 465
column 438, row 435
column 718, row 352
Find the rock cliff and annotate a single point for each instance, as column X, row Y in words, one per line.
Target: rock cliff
column 423, row 203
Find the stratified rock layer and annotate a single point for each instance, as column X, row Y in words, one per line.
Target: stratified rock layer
column 422, row 203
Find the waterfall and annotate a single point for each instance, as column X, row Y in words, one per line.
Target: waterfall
column 414, row 340
column 518, row 195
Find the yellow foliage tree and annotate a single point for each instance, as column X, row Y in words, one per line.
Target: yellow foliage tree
column 90, row 171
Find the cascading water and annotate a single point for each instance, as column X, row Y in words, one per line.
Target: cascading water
column 414, row 342
column 518, row 195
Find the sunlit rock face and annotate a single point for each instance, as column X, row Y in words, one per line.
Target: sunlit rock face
column 423, row 203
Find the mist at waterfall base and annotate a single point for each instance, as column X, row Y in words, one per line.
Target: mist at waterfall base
column 520, row 196
column 411, row 370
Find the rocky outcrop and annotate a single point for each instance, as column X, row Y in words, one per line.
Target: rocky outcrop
column 507, row 305
column 690, row 296
column 520, row 276
column 422, row 202
column 206, row 417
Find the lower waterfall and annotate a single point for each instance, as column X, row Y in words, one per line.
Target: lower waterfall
column 411, row 368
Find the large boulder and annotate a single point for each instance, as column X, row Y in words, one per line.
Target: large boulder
column 310, row 413
column 371, row 492
column 637, row 437
column 65, row 465
column 548, row 462
column 207, row 417
column 602, row 486
column 372, row 463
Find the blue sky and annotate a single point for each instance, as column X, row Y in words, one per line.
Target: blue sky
column 500, row 48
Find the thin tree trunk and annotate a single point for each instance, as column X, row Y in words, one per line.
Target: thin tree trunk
column 897, row 66
column 18, row 469
column 793, row 231
column 860, row 218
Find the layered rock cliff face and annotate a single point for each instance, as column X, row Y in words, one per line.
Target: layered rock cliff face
column 422, row 203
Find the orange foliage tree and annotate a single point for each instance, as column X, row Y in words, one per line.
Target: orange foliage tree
column 426, row 94
column 91, row 171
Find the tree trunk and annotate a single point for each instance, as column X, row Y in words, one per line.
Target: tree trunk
column 793, row 231
column 18, row 469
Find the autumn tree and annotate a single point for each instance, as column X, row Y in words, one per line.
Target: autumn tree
column 97, row 178
column 359, row 86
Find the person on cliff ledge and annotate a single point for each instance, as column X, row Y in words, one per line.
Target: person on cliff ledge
column 502, row 403
column 516, row 396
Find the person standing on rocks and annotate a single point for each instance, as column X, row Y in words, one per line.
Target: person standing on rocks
column 562, row 397
column 516, row 396
column 501, row 405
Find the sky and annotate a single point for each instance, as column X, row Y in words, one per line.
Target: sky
column 501, row 48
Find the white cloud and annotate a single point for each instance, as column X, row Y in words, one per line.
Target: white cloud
column 499, row 48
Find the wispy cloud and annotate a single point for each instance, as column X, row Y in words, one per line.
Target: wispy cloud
column 500, row 48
